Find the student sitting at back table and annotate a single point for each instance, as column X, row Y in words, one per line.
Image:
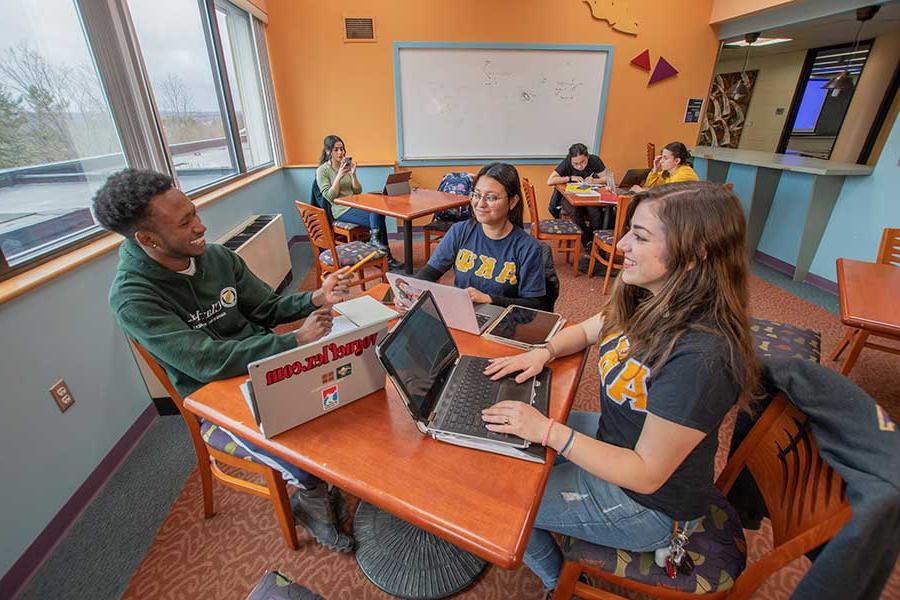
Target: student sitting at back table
column 578, row 166
column 336, row 177
column 676, row 354
column 204, row 316
column 494, row 259
column 671, row 166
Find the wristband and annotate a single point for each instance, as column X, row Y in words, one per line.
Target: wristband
column 547, row 433
column 568, row 443
column 550, row 351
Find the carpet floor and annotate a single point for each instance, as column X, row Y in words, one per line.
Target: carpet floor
column 223, row 557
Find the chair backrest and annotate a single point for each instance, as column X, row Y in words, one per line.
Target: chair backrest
column 889, row 251
column 805, row 497
column 651, row 154
column 623, row 202
column 317, row 227
column 531, row 204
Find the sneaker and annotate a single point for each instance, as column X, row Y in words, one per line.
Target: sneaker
column 314, row 510
column 394, row 264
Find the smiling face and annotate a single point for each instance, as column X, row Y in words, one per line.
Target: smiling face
column 645, row 250
column 490, row 202
column 579, row 163
column 174, row 229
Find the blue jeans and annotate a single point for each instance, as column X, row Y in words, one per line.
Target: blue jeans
column 373, row 221
column 578, row 504
column 289, row 472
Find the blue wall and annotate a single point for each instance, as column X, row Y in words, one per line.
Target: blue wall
column 865, row 207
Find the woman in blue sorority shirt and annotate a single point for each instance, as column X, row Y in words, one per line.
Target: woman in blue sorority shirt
column 492, row 256
column 676, row 354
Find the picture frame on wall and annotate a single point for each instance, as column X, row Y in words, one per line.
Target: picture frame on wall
column 726, row 112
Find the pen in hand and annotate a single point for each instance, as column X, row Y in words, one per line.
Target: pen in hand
column 363, row 261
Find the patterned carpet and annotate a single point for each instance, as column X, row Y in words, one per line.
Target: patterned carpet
column 223, row 557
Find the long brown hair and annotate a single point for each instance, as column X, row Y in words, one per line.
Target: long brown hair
column 706, row 285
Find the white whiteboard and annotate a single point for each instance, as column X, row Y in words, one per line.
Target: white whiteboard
column 504, row 101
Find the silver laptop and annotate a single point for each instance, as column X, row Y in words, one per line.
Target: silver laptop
column 454, row 303
column 446, row 392
column 397, row 184
column 298, row 385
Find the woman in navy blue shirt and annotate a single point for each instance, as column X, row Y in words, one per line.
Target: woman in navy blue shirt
column 493, row 258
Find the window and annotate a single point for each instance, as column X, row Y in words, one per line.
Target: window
column 173, row 39
column 58, row 143
column 245, row 82
column 88, row 88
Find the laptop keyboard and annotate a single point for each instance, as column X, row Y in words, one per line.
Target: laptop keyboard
column 472, row 392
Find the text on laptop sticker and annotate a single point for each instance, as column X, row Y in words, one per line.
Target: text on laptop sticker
column 330, row 397
column 329, row 353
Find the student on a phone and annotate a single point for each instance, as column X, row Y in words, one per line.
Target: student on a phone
column 673, row 165
column 336, row 177
column 493, row 258
column 579, row 166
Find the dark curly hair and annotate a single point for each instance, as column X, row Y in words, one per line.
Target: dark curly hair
column 121, row 204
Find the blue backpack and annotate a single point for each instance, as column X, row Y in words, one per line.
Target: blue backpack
column 455, row 183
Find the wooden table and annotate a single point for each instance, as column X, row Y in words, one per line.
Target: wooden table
column 407, row 207
column 868, row 294
column 605, row 199
column 482, row 502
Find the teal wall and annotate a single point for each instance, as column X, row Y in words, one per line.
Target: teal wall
column 865, row 207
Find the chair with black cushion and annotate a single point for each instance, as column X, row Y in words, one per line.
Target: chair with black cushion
column 351, row 232
column 806, row 502
column 322, row 240
column 564, row 232
column 774, row 339
column 214, row 446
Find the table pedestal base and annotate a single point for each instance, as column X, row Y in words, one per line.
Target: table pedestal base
column 408, row 562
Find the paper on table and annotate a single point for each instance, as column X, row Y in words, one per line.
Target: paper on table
column 365, row 311
column 582, row 189
column 340, row 325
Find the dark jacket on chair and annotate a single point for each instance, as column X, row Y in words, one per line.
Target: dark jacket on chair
column 857, row 438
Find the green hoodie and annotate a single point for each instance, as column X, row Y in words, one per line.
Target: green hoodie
column 204, row 326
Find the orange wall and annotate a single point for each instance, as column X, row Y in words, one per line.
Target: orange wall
column 324, row 85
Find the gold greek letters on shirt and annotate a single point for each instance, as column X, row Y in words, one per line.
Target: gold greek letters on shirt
column 465, row 262
column 630, row 383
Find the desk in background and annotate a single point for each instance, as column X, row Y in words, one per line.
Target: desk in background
column 825, row 178
column 407, row 207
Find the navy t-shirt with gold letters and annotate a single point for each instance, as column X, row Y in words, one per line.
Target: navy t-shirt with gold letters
column 693, row 388
column 510, row 267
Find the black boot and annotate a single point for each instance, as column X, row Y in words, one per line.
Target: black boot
column 376, row 240
column 314, row 509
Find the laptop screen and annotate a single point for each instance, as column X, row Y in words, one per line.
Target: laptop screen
column 416, row 353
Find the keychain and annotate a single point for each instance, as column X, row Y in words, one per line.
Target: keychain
column 678, row 560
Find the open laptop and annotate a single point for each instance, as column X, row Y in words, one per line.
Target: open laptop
column 397, row 184
column 453, row 302
column 633, row 177
column 446, row 392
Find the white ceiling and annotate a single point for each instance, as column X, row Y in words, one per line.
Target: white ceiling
column 828, row 31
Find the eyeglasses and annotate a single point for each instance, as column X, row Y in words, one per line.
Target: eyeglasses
column 489, row 198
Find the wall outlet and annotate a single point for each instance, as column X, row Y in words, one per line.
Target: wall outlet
column 62, row 396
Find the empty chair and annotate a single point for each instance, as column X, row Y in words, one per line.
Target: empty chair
column 603, row 246
column 564, row 232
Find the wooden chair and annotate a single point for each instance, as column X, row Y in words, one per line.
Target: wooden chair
column 564, row 232
column 806, row 502
column 888, row 254
column 351, row 232
column 209, row 457
column 605, row 241
column 651, row 154
column 322, row 240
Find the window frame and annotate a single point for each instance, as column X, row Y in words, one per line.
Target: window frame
column 113, row 45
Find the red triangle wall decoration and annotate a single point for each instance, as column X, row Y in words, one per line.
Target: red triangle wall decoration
column 642, row 60
column 663, row 70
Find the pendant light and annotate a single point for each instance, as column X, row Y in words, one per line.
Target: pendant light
column 842, row 81
column 739, row 89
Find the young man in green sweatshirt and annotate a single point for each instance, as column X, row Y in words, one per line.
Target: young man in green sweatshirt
column 204, row 316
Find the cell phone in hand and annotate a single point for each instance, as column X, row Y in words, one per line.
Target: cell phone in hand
column 347, row 160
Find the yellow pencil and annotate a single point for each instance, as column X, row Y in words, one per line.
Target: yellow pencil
column 365, row 259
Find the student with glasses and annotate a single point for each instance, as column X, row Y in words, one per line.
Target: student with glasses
column 494, row 259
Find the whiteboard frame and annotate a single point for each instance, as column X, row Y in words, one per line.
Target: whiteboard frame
column 521, row 160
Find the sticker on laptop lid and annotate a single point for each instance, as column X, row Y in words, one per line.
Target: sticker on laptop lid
column 327, row 377
column 344, row 370
column 330, row 397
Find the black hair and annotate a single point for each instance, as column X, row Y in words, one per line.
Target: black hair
column 680, row 152
column 578, row 150
column 507, row 176
column 121, row 204
column 328, row 145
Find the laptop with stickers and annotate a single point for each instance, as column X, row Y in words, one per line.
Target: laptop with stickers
column 453, row 302
column 296, row 386
column 445, row 392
